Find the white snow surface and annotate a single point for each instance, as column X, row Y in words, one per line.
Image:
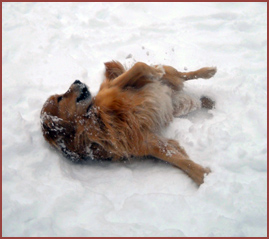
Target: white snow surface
column 46, row 46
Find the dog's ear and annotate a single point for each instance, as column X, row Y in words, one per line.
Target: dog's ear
column 113, row 69
column 55, row 128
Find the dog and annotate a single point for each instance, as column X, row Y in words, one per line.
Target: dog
column 126, row 116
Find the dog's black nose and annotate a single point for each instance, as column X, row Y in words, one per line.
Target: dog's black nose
column 77, row 82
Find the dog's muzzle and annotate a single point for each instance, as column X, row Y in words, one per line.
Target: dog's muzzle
column 84, row 92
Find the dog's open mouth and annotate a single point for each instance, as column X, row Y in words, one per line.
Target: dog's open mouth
column 84, row 92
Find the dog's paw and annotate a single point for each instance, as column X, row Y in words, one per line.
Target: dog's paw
column 199, row 175
column 207, row 72
column 207, row 103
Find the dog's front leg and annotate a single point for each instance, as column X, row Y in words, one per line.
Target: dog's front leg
column 170, row 151
column 139, row 74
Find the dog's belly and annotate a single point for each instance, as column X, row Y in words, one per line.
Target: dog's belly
column 156, row 110
column 129, row 116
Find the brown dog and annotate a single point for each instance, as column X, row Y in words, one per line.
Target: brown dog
column 126, row 116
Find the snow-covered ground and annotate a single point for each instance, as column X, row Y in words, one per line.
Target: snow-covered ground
column 46, row 46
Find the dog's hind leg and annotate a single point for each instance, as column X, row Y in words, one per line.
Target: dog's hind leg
column 141, row 74
column 184, row 103
column 205, row 73
column 175, row 79
column 170, row 151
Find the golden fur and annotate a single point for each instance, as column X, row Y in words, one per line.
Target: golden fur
column 126, row 117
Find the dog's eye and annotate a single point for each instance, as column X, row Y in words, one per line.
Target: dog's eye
column 60, row 98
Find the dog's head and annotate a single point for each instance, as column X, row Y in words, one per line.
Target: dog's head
column 60, row 114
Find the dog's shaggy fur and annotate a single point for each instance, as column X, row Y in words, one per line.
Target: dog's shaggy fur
column 126, row 117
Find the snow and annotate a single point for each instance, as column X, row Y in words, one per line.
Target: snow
column 46, row 46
